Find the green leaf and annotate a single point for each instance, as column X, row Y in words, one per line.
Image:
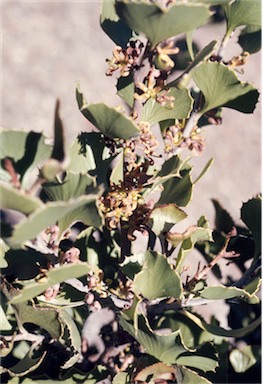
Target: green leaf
column 204, row 170
column 168, row 348
column 160, row 23
column 189, row 42
column 242, row 12
column 27, row 149
column 44, row 318
column 117, row 172
column 251, row 216
column 3, row 249
column 93, row 142
column 186, row 376
column 194, row 234
column 177, row 190
column 237, row 333
column 126, row 89
column 75, row 339
column 24, row 366
column 73, row 185
column 79, row 162
column 204, row 358
column 109, row 121
column 4, row 323
column 111, row 24
column 250, row 39
column 64, row 212
column 164, row 348
column 245, row 358
column 154, row 112
column 221, row 87
column 121, row 378
column 12, row 198
column 174, row 173
column 204, row 54
column 166, row 214
column 53, row 276
column 220, row 292
column 157, row 279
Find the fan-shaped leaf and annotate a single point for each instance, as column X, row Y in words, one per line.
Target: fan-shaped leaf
column 27, row 149
column 65, row 212
column 221, row 87
column 187, row 376
column 242, row 12
column 14, row 199
column 157, row 279
column 245, row 358
column 199, row 58
column 74, row 335
column 52, row 277
column 46, row 319
column 220, row 292
column 115, row 28
column 24, row 366
column 109, row 121
column 153, row 112
column 158, row 23
column 166, row 214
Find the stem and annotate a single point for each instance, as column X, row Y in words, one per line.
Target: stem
column 222, row 48
column 139, row 75
column 125, row 242
column 26, row 336
column 245, row 279
column 191, row 124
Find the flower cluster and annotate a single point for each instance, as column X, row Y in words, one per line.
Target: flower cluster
column 164, row 50
column 125, row 60
column 147, row 140
column 153, row 87
column 154, row 84
column 195, row 142
column 119, row 204
column 173, row 139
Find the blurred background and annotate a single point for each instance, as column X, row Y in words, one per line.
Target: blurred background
column 49, row 46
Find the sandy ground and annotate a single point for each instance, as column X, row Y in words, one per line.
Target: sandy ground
column 49, row 46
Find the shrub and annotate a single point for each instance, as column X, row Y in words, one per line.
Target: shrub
column 80, row 303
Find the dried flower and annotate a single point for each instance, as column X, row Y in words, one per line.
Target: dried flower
column 163, row 52
column 173, row 137
column 119, row 204
column 147, row 140
column 195, row 142
column 152, row 86
column 124, row 60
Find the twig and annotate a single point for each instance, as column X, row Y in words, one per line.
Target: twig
column 9, row 167
column 37, row 339
column 245, row 279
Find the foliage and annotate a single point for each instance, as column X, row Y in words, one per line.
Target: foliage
column 79, row 302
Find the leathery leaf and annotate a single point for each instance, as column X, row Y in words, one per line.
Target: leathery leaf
column 157, row 279
column 221, row 87
column 52, row 277
column 160, row 23
column 109, row 121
